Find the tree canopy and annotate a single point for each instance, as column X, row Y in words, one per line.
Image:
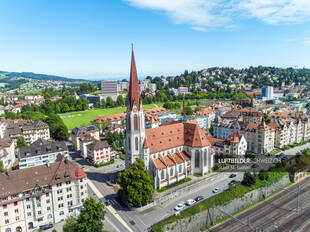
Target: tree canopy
column 21, row 142
column 136, row 185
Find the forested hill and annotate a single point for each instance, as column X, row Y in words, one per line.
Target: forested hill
column 6, row 77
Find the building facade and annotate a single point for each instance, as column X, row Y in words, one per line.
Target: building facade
column 41, row 195
column 109, row 87
column 82, row 131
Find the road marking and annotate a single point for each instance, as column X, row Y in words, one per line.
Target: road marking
column 110, row 208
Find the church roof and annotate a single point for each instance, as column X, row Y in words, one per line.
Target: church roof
column 134, row 90
column 175, row 134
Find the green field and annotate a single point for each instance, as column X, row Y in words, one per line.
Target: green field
column 79, row 118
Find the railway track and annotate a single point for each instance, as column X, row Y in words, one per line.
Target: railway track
column 278, row 208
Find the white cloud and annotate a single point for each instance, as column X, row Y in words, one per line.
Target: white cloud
column 210, row 13
column 199, row 28
column 306, row 42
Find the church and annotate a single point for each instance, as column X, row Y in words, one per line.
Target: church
column 171, row 152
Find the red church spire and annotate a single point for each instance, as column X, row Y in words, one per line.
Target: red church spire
column 134, row 90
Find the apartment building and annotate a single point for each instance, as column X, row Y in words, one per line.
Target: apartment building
column 109, row 87
column 40, row 195
column 82, row 131
column 7, row 153
column 41, row 152
column 260, row 137
column 234, row 145
column 30, row 130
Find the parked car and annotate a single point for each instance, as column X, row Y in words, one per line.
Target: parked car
column 255, row 166
column 216, row 190
column 199, row 198
column 46, row 227
column 117, row 156
column 179, row 207
column 232, row 175
column 190, row 202
column 232, row 183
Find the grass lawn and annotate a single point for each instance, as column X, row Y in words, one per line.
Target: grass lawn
column 187, row 179
column 79, row 118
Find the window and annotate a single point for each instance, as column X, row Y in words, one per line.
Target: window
column 68, row 182
column 6, row 214
column 60, row 205
column 38, row 205
column 7, row 230
column 29, row 214
column 61, row 213
column 15, row 203
column 16, row 210
column 180, row 168
column 171, row 171
column 6, row 221
column 17, row 218
column 197, row 159
column 48, row 201
column 39, row 212
column 136, row 123
column 60, row 198
column 162, row 174
column 69, row 196
column 68, row 189
column 40, row 219
column 5, row 206
column 47, row 194
column 48, row 208
column 136, row 143
column 49, row 216
column 28, row 206
column 205, row 158
column 58, row 185
column 59, row 191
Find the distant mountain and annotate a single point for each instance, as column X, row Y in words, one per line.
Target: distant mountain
column 6, row 77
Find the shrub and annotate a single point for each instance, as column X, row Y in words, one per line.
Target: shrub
column 248, row 179
column 104, row 164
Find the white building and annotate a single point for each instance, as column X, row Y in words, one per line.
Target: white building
column 41, row 195
column 41, row 152
column 7, row 153
column 267, row 93
column 183, row 90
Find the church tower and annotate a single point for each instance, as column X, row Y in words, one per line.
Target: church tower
column 135, row 120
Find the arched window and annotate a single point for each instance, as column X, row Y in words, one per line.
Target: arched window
column 205, row 158
column 137, row 143
column 162, row 174
column 136, row 123
column 49, row 216
column 128, row 143
column 61, row 213
column 30, row 226
column 197, row 159
column 171, row 171
column 8, row 230
column 180, row 169
column 19, row 229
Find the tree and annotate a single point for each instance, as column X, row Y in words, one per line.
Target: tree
column 188, row 110
column 110, row 102
column 58, row 129
column 136, row 185
column 70, row 224
column 266, row 118
column 248, row 179
column 2, row 169
column 61, row 133
column 120, row 100
column 263, row 175
column 103, row 104
column 91, row 216
column 21, row 142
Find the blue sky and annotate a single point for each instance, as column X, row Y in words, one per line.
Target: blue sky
column 91, row 38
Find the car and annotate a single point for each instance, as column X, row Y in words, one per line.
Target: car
column 255, row 166
column 107, row 202
column 46, row 227
column 232, row 175
column 199, row 198
column 232, row 183
column 179, row 207
column 284, row 158
column 216, row 190
column 190, row 202
column 117, row 156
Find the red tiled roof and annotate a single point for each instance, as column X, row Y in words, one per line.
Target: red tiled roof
column 159, row 164
column 185, row 156
column 234, row 138
column 169, row 161
column 213, row 140
column 177, row 158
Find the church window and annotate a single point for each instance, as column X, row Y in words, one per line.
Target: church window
column 171, row 171
column 162, row 174
column 137, row 143
column 136, row 123
column 129, row 143
column 205, row 158
column 180, row 169
column 197, row 159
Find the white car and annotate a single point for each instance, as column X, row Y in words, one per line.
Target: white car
column 217, row 189
column 190, row 202
column 179, row 207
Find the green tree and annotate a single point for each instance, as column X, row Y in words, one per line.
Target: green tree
column 120, row 100
column 266, row 118
column 21, row 142
column 70, row 224
column 91, row 217
column 263, row 175
column 110, row 102
column 2, row 169
column 188, row 110
column 103, row 104
column 61, row 132
column 248, row 179
column 58, row 129
column 136, row 184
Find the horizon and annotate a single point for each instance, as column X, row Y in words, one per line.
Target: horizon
column 91, row 40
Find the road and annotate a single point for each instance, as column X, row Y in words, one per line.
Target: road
column 277, row 213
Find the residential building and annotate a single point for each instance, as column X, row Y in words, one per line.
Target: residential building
column 205, row 117
column 82, row 131
column 7, row 153
column 260, row 137
column 30, row 130
column 95, row 151
column 170, row 152
column 183, row 90
column 251, row 115
column 3, row 126
column 40, row 195
column 41, row 152
column 152, row 121
column 223, row 128
column 122, row 86
column 109, row 87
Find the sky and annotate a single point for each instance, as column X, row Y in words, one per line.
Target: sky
column 92, row 39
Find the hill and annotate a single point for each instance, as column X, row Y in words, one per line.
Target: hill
column 6, row 77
